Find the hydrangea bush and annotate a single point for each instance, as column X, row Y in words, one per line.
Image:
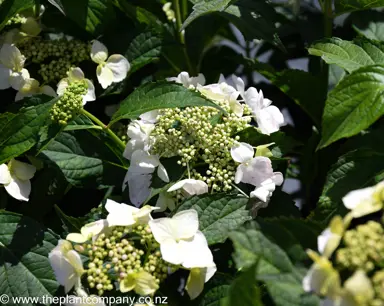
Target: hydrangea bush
column 151, row 149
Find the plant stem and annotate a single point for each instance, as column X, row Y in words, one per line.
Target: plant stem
column 180, row 34
column 96, row 120
column 184, row 9
column 328, row 18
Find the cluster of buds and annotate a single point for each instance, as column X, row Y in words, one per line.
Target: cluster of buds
column 130, row 251
column 55, row 56
column 205, row 142
column 69, row 103
column 349, row 269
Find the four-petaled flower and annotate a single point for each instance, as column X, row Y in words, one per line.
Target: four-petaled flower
column 12, row 71
column 77, row 75
column 67, row 265
column 256, row 171
column 32, row 87
column 187, row 81
column 111, row 69
column 16, row 179
column 89, row 231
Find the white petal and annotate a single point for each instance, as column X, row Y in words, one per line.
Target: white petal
column 242, row 152
column 132, row 146
column 322, row 240
column 239, row 83
column 5, row 175
column 257, row 171
column 190, row 187
column 240, row 173
column 269, row 120
column 19, row 189
column 119, row 214
column 63, row 270
column 61, row 87
column 236, row 107
column 76, row 237
column 164, row 201
column 143, row 162
column 20, row 96
column 143, row 215
column 196, row 252
column 94, row 228
column 11, row 57
column 119, row 66
column 5, row 74
column 261, row 193
column 150, row 116
column 22, row 170
column 99, row 52
column 170, row 252
column 195, row 282
column 162, row 173
column 355, row 197
column 48, row 90
column 90, row 95
column 254, row 99
column 75, row 74
column 185, row 224
column 139, row 186
column 104, row 76
column 162, row 229
column 278, row 178
column 18, row 79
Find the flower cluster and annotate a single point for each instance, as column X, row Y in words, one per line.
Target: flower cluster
column 349, row 269
column 129, row 251
column 204, row 141
column 56, row 56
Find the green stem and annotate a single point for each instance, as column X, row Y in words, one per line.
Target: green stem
column 184, row 9
column 96, row 120
column 180, row 34
column 328, row 27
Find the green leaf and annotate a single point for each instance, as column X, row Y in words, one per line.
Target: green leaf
column 84, row 159
column 20, row 127
column 71, row 224
column 353, row 105
column 369, row 24
column 144, row 49
column 216, row 291
column 24, row 267
column 9, row 8
column 204, row 7
column 353, row 170
column 92, row 15
column 343, row 6
column 159, row 95
column 218, row 214
column 349, row 55
column 274, row 267
column 255, row 19
column 292, row 82
column 244, row 290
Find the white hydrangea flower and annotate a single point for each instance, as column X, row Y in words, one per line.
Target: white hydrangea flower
column 139, row 132
column 76, row 75
column 139, row 175
column 67, row 265
column 165, row 201
column 143, row 283
column 256, row 171
column 12, row 71
column 111, row 69
column 190, row 187
column 197, row 278
column 269, row 118
column 126, row 215
column 187, row 81
column 89, row 231
column 181, row 242
column 365, row 201
column 32, row 87
column 16, row 178
column 220, row 91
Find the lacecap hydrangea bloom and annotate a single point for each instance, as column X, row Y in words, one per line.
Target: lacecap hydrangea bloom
column 348, row 268
column 206, row 143
column 130, row 251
